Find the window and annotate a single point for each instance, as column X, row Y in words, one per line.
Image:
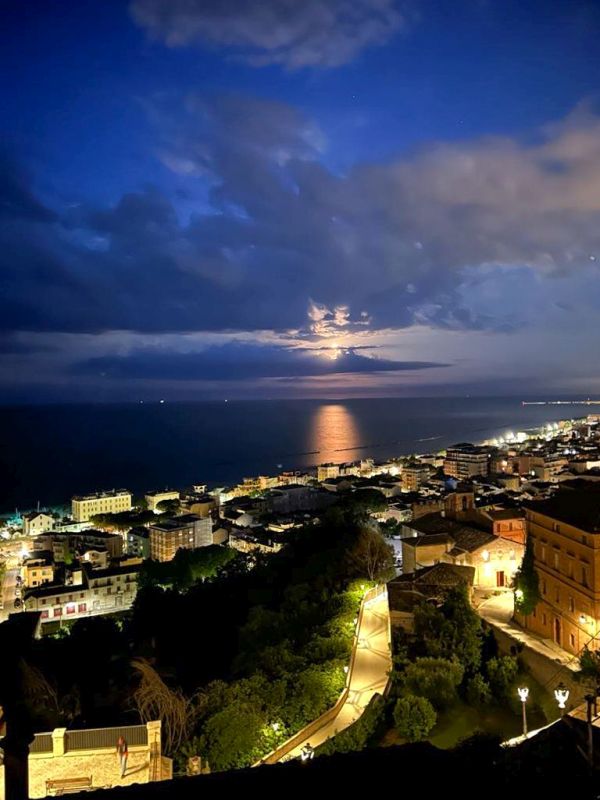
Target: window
column 571, row 605
column 45, row 614
column 557, row 595
column 58, row 612
column 544, row 586
column 543, row 554
column 543, row 619
column 555, row 560
column 584, row 576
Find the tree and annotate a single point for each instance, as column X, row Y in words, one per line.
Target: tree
column 436, row 679
column 526, row 582
column 155, row 700
column 589, row 667
column 233, row 737
column 414, row 717
column 451, row 631
column 372, row 556
column 478, row 691
column 168, row 506
column 502, row 672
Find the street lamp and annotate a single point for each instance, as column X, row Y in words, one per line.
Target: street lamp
column 519, row 594
column 523, row 695
column 307, row 753
column 561, row 694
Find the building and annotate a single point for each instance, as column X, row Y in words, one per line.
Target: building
column 137, row 542
column 507, row 522
column 154, row 498
column 37, row 522
column 65, row 546
column 89, row 592
column 464, row 461
column 413, row 475
column 436, row 538
column 255, row 540
column 84, row 507
column 430, row 584
column 37, row 570
column 187, row 531
column 565, row 533
column 201, row 504
column 329, row 470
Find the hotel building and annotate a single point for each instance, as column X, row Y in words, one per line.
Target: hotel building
column 83, row 507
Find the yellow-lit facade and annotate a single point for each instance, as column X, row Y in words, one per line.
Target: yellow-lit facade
column 567, row 560
column 83, row 508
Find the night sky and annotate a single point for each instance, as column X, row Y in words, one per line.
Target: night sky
column 298, row 198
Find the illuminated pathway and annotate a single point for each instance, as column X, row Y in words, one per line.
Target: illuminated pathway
column 368, row 676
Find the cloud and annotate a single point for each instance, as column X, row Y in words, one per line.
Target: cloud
column 282, row 243
column 240, row 361
column 293, row 33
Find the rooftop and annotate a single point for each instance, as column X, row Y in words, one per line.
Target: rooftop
column 574, row 507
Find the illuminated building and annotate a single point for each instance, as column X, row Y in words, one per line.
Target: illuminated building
column 413, row 475
column 464, row 461
column 154, row 498
column 187, row 531
column 565, row 532
column 325, row 471
column 37, row 522
column 83, row 507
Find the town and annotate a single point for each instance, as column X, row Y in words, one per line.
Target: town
column 508, row 525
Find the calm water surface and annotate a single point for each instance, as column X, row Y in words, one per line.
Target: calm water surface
column 49, row 453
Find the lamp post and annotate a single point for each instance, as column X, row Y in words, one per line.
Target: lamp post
column 307, row 753
column 523, row 695
column 561, row 695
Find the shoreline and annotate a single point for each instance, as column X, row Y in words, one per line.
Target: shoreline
column 490, row 442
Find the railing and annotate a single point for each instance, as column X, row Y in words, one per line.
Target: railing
column 100, row 738
column 284, row 749
column 42, row 743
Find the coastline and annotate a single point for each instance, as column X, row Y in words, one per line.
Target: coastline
column 64, row 506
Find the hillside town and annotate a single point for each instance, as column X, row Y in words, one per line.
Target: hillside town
column 507, row 527
column 469, row 506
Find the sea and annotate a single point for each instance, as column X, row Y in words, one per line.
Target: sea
column 49, row 453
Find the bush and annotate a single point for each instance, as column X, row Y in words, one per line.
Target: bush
column 502, row 672
column 357, row 736
column 434, row 678
column 414, row 717
column 478, row 691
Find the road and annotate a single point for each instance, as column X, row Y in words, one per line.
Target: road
column 498, row 610
column 369, row 674
column 11, row 554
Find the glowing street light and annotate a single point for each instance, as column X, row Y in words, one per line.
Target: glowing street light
column 307, row 753
column 561, row 694
column 523, row 695
column 519, row 594
column 346, row 668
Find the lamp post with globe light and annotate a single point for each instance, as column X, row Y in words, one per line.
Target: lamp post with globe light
column 523, row 692
column 561, row 695
column 307, row 753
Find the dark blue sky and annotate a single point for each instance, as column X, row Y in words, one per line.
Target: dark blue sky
column 309, row 198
